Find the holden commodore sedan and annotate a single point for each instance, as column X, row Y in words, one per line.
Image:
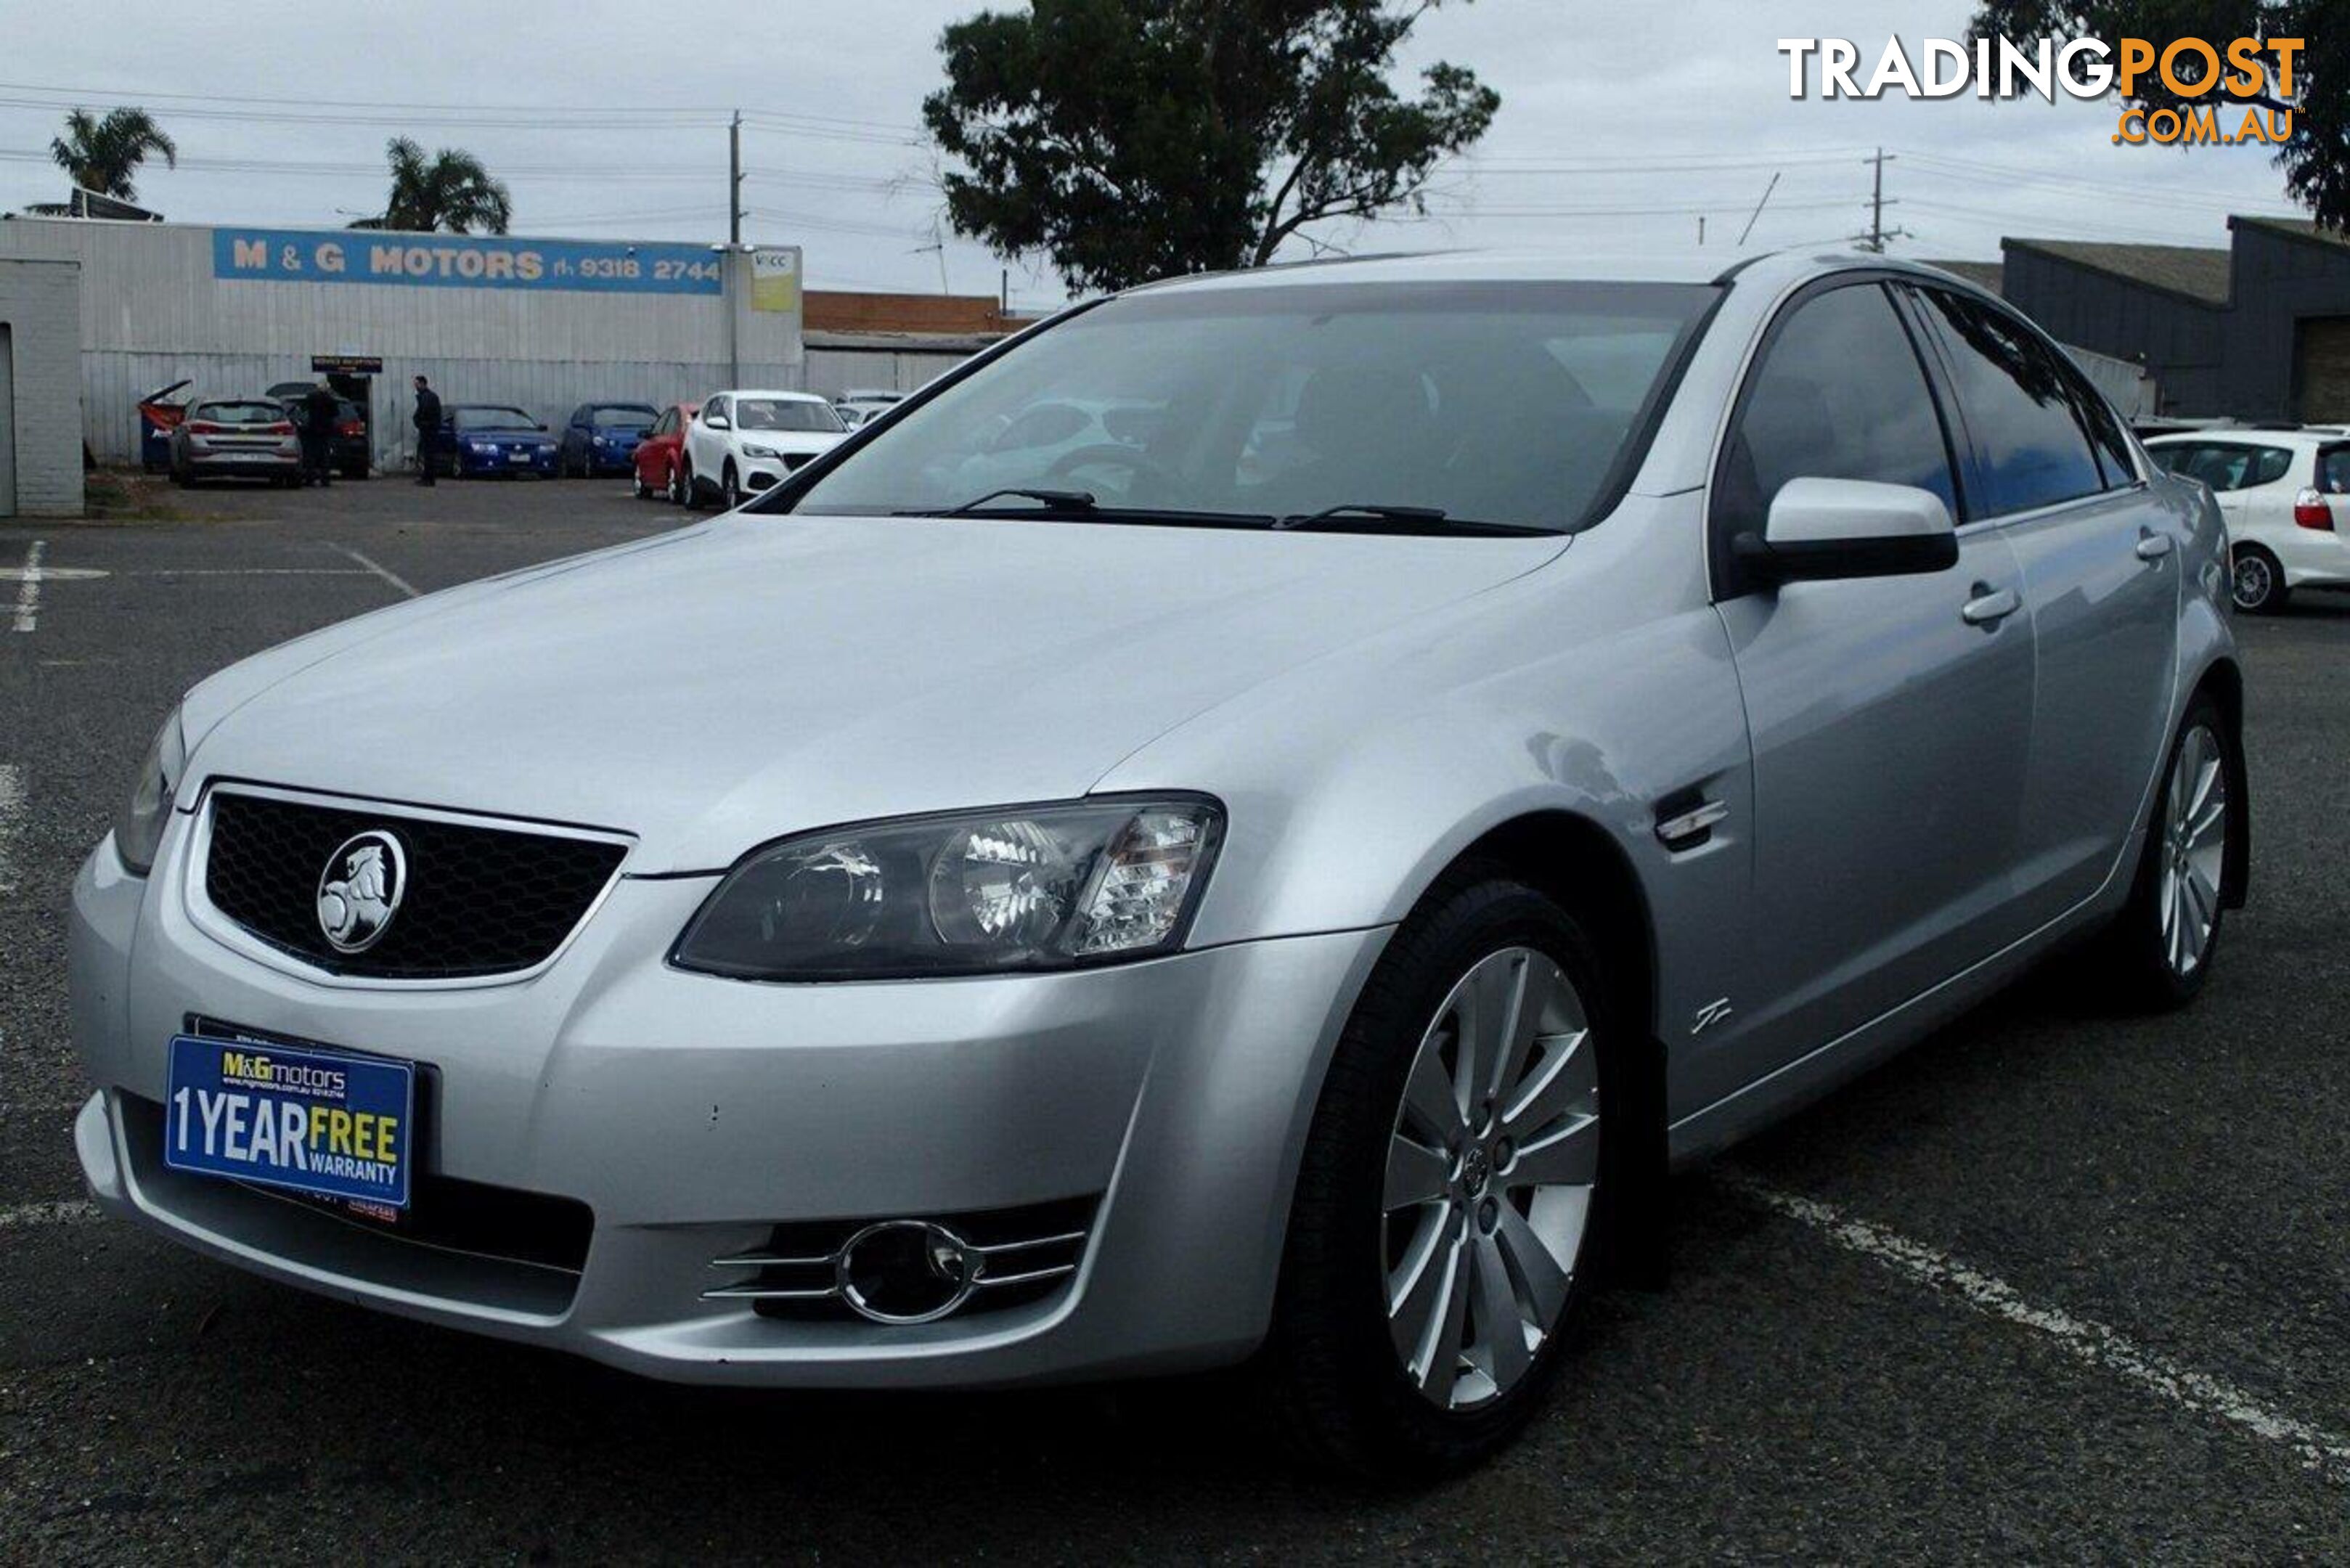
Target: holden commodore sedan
column 1287, row 883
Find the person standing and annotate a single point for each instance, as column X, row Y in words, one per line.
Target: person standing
column 321, row 411
column 428, row 431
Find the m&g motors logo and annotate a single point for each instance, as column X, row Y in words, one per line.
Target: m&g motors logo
column 2213, row 80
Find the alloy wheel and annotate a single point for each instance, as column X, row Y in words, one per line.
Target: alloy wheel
column 2255, row 580
column 1490, row 1175
column 2194, row 849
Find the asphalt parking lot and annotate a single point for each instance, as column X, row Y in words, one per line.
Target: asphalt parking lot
column 2054, row 1285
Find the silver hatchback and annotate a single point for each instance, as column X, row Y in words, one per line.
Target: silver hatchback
column 1287, row 877
column 236, row 438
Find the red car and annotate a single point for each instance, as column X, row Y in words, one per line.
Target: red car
column 660, row 455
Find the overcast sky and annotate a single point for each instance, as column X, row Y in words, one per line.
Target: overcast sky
column 610, row 123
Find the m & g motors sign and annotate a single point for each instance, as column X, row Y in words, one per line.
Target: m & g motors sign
column 2257, row 76
column 461, row 261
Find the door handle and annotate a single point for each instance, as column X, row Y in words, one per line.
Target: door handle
column 1988, row 608
column 2152, row 547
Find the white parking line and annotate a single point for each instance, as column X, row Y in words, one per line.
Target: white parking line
column 12, row 816
column 394, row 579
column 253, row 572
column 2090, row 1343
column 28, row 591
column 24, row 1216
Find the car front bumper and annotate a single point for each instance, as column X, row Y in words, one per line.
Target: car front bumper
column 692, row 1114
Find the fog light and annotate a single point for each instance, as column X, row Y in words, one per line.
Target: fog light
column 906, row 1270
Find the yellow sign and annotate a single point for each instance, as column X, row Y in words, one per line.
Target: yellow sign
column 776, row 280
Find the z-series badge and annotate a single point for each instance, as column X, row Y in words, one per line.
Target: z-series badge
column 335, row 1126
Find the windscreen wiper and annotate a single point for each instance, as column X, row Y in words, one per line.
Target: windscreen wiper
column 1384, row 514
column 1059, row 500
column 1418, row 519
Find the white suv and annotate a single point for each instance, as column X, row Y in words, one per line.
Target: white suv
column 2286, row 496
column 742, row 442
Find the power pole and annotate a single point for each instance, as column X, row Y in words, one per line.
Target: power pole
column 735, row 180
column 1876, row 236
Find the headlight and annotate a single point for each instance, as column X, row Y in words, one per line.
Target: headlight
column 480, row 448
column 752, row 448
column 978, row 892
column 139, row 826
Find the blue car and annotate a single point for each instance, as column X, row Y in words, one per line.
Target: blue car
column 602, row 439
column 490, row 438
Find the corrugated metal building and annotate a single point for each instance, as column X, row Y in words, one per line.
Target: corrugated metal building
column 544, row 325
column 2257, row 331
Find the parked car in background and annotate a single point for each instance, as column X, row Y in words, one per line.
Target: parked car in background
column 1177, row 910
column 2286, row 496
column 236, row 438
column 601, row 438
column 659, row 460
column 349, row 451
column 856, row 407
column 742, row 442
column 492, row 438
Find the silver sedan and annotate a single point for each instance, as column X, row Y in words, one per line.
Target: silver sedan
column 1287, row 878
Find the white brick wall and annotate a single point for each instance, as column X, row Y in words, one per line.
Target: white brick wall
column 40, row 301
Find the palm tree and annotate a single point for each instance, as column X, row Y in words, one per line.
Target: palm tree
column 449, row 190
column 102, row 155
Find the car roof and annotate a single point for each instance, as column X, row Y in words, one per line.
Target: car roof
column 1691, row 264
column 760, row 392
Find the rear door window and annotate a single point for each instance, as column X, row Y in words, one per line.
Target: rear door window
column 2030, row 449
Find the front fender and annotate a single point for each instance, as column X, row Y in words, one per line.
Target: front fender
column 1351, row 784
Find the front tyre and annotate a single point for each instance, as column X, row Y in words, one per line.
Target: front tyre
column 731, row 488
column 1451, row 1188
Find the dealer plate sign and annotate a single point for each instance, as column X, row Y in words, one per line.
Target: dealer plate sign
column 329, row 1125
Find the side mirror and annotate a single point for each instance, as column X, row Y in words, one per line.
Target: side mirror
column 718, row 423
column 1827, row 529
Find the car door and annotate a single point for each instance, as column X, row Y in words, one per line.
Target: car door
column 1890, row 717
column 2046, row 461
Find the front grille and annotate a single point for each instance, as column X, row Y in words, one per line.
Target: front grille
column 1025, row 1254
column 477, row 901
column 796, row 460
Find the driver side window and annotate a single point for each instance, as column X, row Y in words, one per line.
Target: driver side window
column 1838, row 394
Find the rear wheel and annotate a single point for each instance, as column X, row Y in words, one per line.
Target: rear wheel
column 2167, row 935
column 1450, row 1189
column 2259, row 581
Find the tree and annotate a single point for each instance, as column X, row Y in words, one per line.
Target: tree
column 2316, row 159
column 449, row 190
column 104, row 155
column 1129, row 140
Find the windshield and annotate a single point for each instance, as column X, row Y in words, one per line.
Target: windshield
column 495, row 419
column 1499, row 403
column 622, row 415
column 785, row 414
